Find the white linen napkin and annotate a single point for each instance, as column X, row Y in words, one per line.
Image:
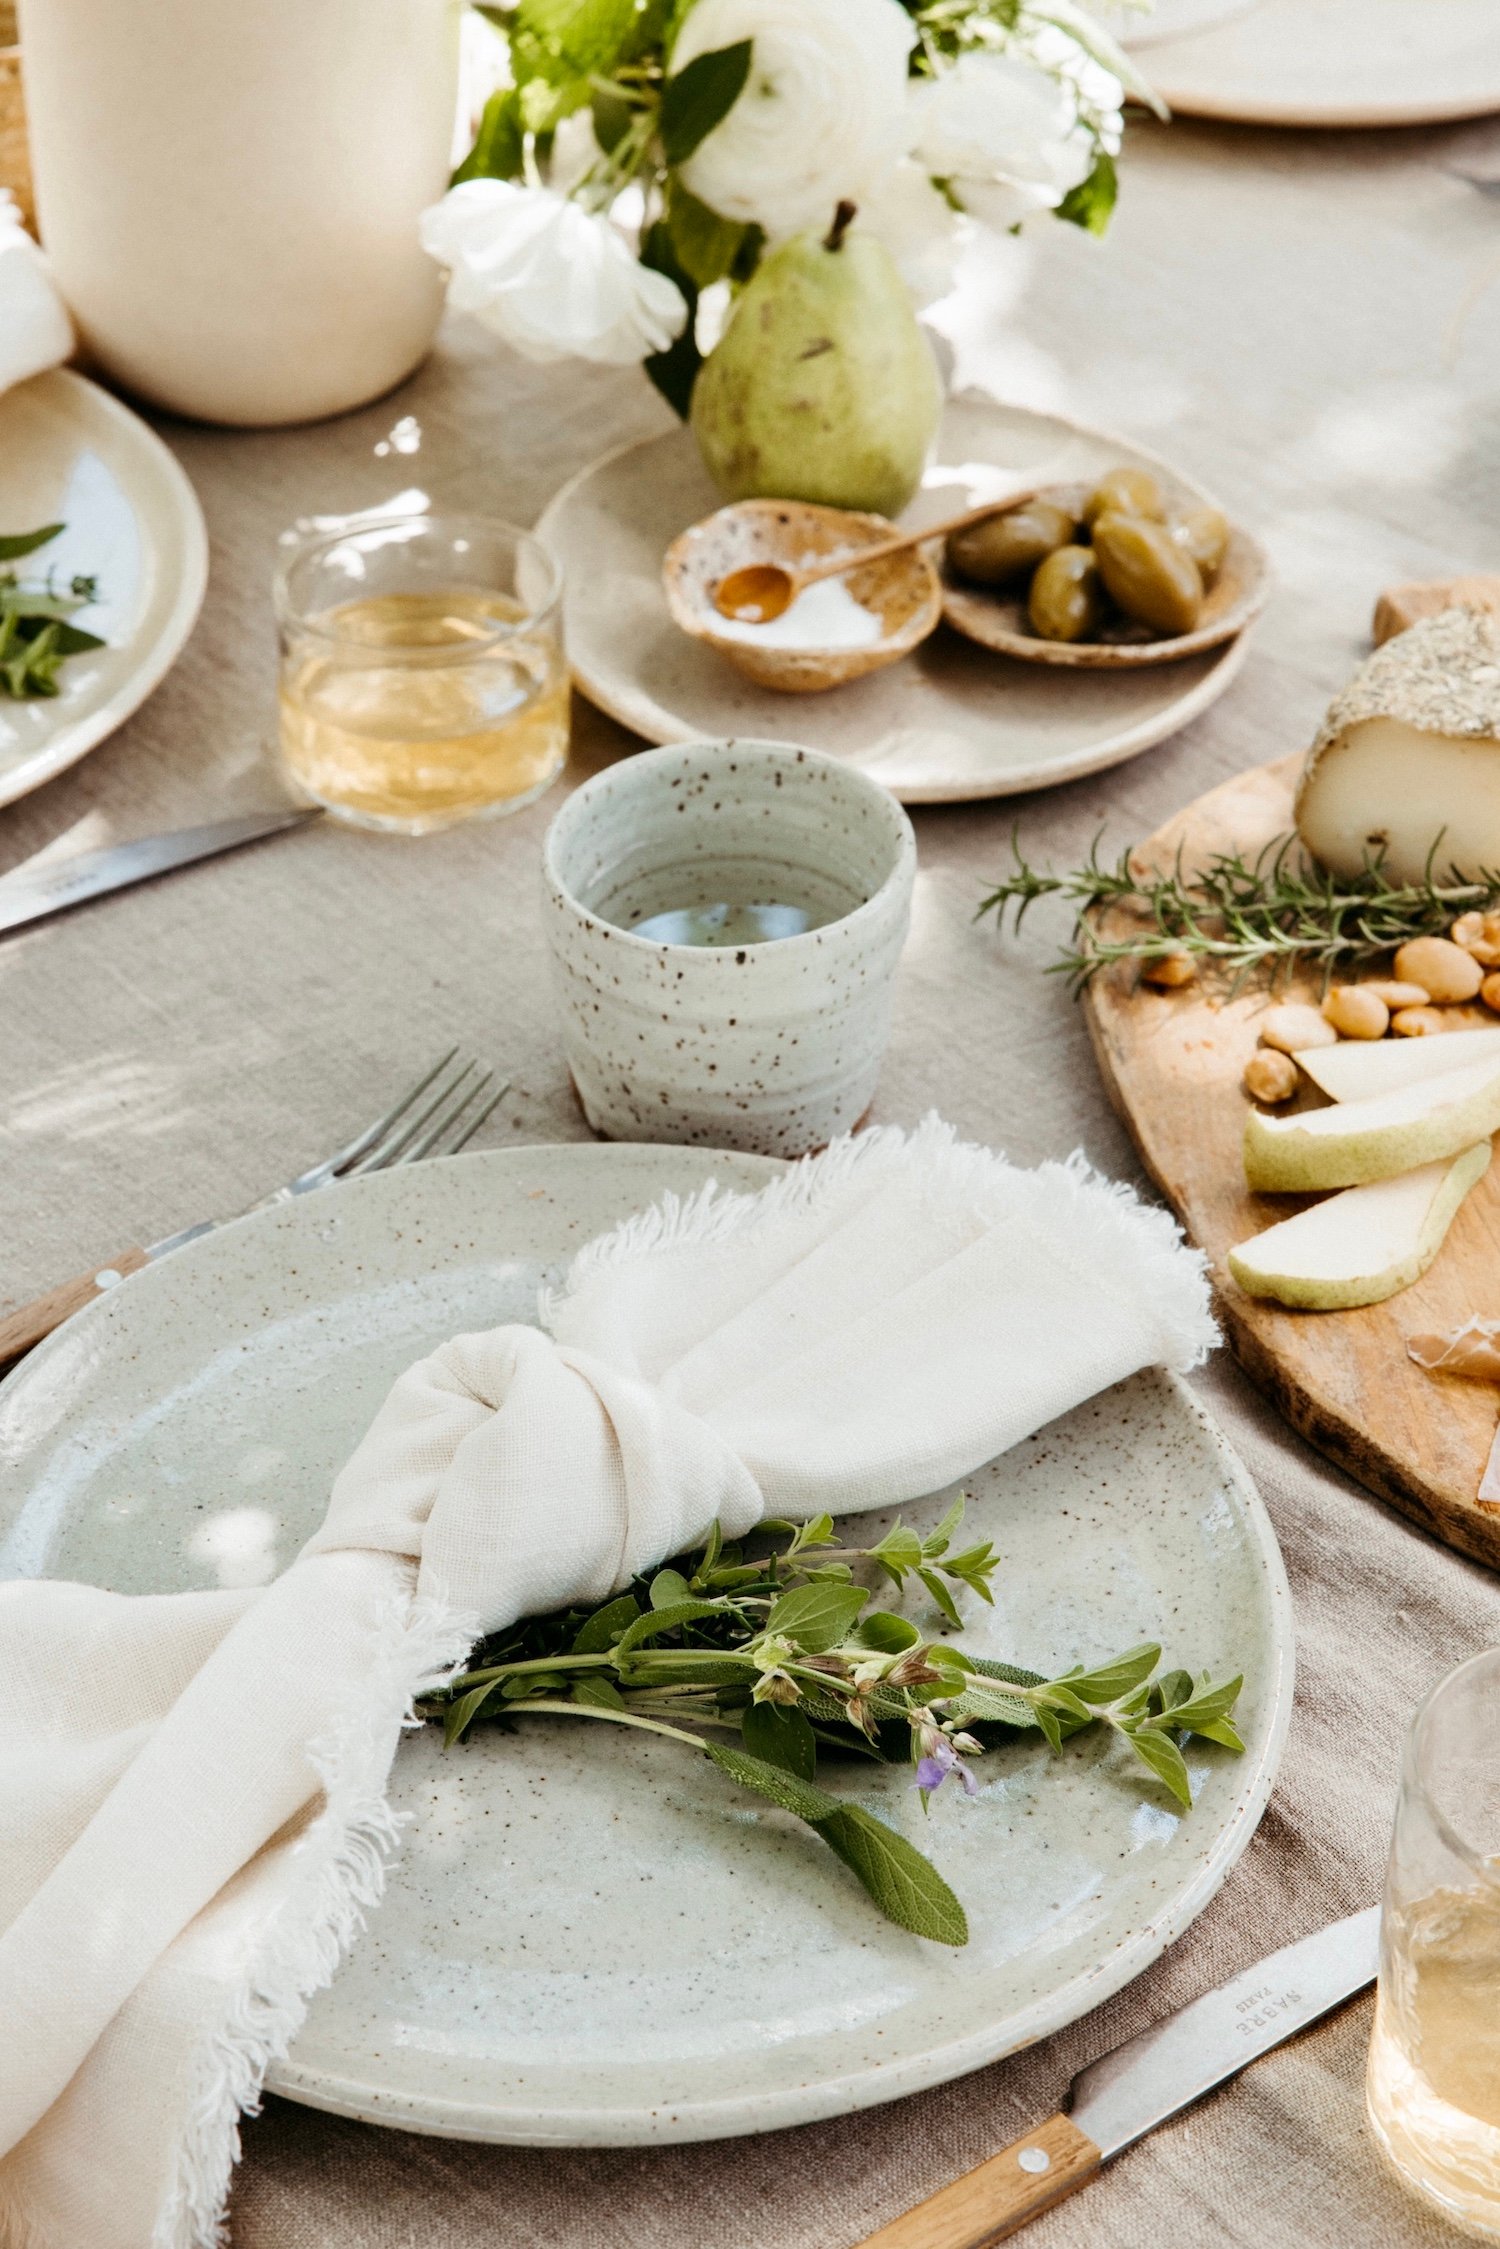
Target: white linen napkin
column 192, row 1786
column 35, row 331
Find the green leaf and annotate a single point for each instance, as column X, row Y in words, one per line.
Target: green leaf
column 699, row 97
column 887, row 1634
column 1092, row 202
column 936, row 1542
column 780, row 1736
column 459, row 1716
column 1047, row 1720
column 985, row 1705
column 713, row 1547
column 499, row 151
column 27, row 542
column 598, row 1634
column 899, row 1550
column 941, row 1595
column 598, row 1694
column 675, row 370
column 1111, row 1680
column 706, row 248
column 816, row 1617
column 612, row 115
column 1204, row 1709
column 669, row 1589
column 1222, row 1730
column 1165, row 1759
column 576, row 37
column 658, row 1621
column 906, row 1886
column 783, row 1789
column 1170, row 1689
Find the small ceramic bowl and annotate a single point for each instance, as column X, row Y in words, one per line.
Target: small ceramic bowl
column 904, row 592
column 773, row 1047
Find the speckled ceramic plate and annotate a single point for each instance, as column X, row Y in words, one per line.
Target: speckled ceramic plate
column 72, row 454
column 586, row 1941
column 952, row 721
column 1335, row 62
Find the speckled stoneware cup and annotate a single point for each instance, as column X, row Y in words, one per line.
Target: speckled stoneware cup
column 772, row 1047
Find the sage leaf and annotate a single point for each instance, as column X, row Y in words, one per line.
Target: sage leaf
column 657, row 1621
column 781, row 1736
column 700, row 97
column 598, row 1694
column 906, row 1886
column 816, row 1617
column 786, row 1790
column 598, row 1634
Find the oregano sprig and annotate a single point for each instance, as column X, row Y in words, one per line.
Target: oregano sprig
column 768, row 1663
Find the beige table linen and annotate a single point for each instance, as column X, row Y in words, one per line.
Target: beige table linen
column 1281, row 314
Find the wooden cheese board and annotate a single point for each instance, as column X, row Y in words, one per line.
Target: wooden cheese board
column 1172, row 1063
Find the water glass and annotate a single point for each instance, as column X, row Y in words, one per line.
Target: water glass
column 1433, row 2089
column 423, row 679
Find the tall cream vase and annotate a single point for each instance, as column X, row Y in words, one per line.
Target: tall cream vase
column 229, row 192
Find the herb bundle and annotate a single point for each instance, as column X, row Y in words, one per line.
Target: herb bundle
column 36, row 635
column 1270, row 916
column 767, row 1666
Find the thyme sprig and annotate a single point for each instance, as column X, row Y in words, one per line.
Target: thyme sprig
column 785, row 1655
column 1270, row 915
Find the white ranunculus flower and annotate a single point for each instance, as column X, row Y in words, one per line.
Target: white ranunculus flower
column 1003, row 133
column 920, row 228
column 553, row 280
column 823, row 113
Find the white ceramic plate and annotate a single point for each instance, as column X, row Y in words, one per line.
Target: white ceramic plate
column 70, row 453
column 1336, row 62
column 593, row 1942
column 951, row 722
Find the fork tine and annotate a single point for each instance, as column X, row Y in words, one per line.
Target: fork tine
column 483, row 1117
column 382, row 1125
column 391, row 1149
column 445, row 1123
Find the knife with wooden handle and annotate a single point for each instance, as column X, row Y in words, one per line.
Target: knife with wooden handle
column 1118, row 2099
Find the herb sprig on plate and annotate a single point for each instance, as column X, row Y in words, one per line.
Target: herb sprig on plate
column 767, row 1666
column 36, row 632
column 1272, row 915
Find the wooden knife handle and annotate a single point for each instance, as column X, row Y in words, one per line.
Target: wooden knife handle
column 20, row 1329
column 996, row 2199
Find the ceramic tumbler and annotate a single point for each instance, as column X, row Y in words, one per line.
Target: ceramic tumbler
column 771, row 1046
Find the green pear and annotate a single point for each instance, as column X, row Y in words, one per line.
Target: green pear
column 1353, row 1141
column 1359, row 1069
column 822, row 386
column 1363, row 1245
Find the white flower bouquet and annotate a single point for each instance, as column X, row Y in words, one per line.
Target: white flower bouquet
column 649, row 157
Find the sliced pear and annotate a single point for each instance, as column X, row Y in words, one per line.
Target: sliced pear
column 1363, row 1245
column 1363, row 1069
column 1359, row 1140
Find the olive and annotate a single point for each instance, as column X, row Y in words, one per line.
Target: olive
column 1204, row 534
column 1125, row 492
column 1003, row 547
column 1147, row 573
column 1066, row 601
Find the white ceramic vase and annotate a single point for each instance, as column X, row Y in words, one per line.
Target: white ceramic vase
column 229, row 192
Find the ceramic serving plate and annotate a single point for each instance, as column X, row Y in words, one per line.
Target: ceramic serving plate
column 72, row 454
column 1336, row 62
column 589, row 1941
column 953, row 721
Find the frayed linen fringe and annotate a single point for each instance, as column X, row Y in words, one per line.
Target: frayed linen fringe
column 1116, row 1243
column 338, row 1872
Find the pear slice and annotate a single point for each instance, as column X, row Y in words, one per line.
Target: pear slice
column 1358, row 1140
column 1362, row 1069
column 1363, row 1245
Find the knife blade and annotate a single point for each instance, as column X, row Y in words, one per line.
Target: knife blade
column 31, row 891
column 1127, row 2093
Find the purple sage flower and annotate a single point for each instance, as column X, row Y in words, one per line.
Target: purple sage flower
column 940, row 1761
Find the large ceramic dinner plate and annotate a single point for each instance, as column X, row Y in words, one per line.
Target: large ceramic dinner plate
column 72, row 454
column 593, row 1941
column 1336, row 62
column 951, row 722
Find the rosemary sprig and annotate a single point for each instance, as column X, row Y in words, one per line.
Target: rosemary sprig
column 785, row 1655
column 1271, row 915
column 35, row 634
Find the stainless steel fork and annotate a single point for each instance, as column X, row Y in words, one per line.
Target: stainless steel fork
column 437, row 1116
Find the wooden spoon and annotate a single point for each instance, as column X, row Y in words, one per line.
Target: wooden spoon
column 763, row 591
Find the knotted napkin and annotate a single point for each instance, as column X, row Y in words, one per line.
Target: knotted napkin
column 35, row 331
column 192, row 1785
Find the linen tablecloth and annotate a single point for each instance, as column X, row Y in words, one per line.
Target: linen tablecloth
column 1282, row 314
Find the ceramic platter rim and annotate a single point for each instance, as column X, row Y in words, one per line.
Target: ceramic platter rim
column 622, row 691
column 160, row 494
column 206, row 1307
column 1194, row 81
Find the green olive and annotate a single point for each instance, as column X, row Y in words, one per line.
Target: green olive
column 1005, row 547
column 1066, row 601
column 1126, row 492
column 1204, row 534
column 1147, row 573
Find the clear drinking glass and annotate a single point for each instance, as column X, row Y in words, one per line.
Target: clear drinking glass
column 1433, row 2089
column 423, row 679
